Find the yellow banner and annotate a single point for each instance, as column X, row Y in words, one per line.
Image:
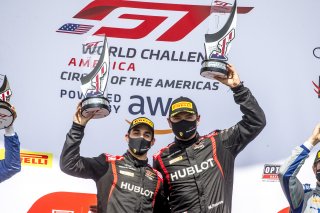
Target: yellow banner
column 37, row 159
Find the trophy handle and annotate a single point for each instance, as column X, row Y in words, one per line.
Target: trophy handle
column 232, row 20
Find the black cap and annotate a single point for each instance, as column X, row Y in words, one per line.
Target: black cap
column 317, row 158
column 182, row 104
column 142, row 120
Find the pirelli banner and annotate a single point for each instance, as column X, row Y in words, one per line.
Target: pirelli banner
column 156, row 49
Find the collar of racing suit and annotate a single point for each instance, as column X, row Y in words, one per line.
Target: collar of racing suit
column 186, row 144
column 136, row 162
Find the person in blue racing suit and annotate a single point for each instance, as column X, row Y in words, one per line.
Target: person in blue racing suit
column 11, row 164
column 301, row 197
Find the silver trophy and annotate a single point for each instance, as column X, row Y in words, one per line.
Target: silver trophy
column 6, row 114
column 94, row 87
column 217, row 45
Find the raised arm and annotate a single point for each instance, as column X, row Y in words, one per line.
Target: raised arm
column 70, row 160
column 253, row 119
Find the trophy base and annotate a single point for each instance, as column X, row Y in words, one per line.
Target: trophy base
column 214, row 68
column 6, row 115
column 99, row 107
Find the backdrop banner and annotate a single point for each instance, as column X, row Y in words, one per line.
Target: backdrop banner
column 156, row 50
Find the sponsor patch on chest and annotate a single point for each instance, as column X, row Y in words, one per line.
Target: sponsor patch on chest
column 127, row 166
column 136, row 189
column 191, row 170
column 149, row 174
column 127, row 173
column 175, row 160
column 199, row 145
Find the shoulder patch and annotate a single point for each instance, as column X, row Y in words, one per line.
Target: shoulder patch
column 113, row 157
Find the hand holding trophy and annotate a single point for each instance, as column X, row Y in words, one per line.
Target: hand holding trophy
column 217, row 46
column 94, row 86
column 7, row 115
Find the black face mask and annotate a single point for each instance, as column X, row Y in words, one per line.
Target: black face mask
column 318, row 175
column 139, row 146
column 184, row 129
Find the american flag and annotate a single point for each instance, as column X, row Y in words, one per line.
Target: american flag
column 74, row 28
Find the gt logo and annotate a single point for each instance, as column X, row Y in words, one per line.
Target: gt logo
column 191, row 17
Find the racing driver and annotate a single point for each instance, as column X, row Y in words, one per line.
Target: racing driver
column 124, row 183
column 198, row 170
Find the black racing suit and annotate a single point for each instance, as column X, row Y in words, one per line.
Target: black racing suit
column 124, row 183
column 198, row 174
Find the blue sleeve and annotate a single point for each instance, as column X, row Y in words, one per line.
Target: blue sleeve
column 11, row 164
column 290, row 184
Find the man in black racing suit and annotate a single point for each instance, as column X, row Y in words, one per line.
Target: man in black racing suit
column 198, row 170
column 124, row 183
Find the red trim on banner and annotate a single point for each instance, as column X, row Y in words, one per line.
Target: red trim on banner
column 64, row 202
column 285, row 210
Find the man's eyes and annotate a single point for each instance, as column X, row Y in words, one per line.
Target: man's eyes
column 176, row 118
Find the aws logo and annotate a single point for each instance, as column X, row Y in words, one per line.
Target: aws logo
column 153, row 106
column 175, row 21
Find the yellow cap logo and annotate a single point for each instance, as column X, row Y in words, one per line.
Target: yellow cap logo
column 183, row 104
column 142, row 120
